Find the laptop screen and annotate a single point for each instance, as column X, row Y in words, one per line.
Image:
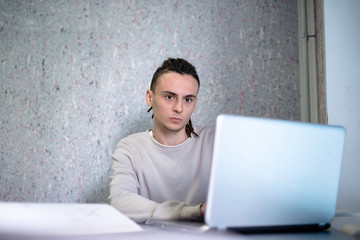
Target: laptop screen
column 269, row 172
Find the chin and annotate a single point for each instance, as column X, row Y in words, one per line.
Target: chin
column 176, row 128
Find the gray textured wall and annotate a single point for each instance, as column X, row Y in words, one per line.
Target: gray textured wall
column 74, row 76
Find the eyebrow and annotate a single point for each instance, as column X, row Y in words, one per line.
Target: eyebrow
column 175, row 94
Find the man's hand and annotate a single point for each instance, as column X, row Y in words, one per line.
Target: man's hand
column 203, row 209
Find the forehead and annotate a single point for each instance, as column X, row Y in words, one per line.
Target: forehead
column 175, row 82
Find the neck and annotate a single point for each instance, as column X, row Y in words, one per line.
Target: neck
column 171, row 138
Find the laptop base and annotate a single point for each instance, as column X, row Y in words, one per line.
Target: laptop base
column 282, row 229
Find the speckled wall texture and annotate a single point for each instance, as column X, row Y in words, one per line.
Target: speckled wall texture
column 74, row 74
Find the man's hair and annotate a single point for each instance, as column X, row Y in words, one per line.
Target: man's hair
column 182, row 67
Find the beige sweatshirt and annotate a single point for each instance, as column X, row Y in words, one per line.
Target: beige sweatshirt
column 154, row 181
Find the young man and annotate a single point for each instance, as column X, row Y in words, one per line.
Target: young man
column 163, row 173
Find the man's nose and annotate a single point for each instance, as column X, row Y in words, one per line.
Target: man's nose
column 178, row 107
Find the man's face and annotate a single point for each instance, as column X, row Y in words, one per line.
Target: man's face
column 173, row 101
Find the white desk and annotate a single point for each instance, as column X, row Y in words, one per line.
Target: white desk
column 157, row 233
column 61, row 220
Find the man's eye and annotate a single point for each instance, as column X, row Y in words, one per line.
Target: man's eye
column 188, row 100
column 169, row 97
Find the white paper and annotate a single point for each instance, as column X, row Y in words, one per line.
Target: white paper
column 63, row 219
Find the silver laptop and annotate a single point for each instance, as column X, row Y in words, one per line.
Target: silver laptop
column 274, row 174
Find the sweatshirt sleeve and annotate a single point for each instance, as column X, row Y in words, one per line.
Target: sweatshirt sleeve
column 124, row 194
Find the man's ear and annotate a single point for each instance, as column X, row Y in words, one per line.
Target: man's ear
column 149, row 96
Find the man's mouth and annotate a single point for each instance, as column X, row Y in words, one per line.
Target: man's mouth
column 176, row 119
